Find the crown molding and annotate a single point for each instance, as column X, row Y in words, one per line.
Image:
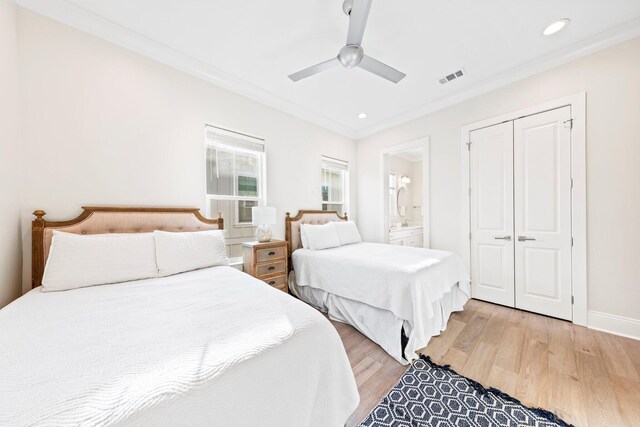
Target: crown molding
column 86, row 21
column 585, row 47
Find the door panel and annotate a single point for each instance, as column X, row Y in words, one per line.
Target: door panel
column 493, row 263
column 542, row 206
column 541, row 270
column 491, row 205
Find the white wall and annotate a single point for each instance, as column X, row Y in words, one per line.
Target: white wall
column 10, row 242
column 611, row 79
column 102, row 125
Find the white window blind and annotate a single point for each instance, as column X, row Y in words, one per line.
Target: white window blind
column 335, row 175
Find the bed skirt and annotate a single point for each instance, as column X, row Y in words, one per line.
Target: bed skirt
column 379, row 325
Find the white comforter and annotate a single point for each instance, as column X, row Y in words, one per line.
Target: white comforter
column 404, row 280
column 209, row 347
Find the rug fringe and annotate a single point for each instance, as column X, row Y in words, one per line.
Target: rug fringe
column 542, row 413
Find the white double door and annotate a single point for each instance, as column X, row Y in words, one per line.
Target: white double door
column 520, row 213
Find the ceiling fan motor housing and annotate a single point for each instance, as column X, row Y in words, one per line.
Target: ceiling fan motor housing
column 351, row 55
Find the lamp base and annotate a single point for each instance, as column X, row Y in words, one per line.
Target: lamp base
column 263, row 233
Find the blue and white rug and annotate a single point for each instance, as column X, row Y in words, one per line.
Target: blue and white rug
column 432, row 395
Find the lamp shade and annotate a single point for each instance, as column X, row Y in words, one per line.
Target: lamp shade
column 263, row 215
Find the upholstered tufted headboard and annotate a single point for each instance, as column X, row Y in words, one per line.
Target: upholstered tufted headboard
column 292, row 225
column 100, row 220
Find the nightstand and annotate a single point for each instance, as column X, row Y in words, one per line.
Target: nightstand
column 267, row 262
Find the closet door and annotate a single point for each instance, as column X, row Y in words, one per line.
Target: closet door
column 491, row 204
column 542, row 188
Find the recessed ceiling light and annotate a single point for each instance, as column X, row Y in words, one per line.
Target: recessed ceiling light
column 556, row 26
column 362, row 115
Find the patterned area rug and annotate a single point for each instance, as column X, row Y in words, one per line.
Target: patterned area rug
column 432, row 395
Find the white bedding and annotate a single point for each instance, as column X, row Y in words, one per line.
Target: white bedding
column 208, row 347
column 380, row 325
column 405, row 281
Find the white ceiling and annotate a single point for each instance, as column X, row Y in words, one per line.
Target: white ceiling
column 251, row 46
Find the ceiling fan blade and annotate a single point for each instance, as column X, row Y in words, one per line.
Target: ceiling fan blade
column 383, row 70
column 314, row 69
column 358, row 21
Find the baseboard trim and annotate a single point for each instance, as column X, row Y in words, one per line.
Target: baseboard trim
column 617, row 325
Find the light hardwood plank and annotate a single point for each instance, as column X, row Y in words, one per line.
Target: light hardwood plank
column 533, row 377
column 480, row 362
column 510, row 348
column 567, row 369
column 565, row 394
column 365, row 369
column 438, row 346
column 615, row 356
column 628, row 394
column 456, row 359
column 584, row 341
column 468, row 338
column 503, row 379
column 602, row 407
column 632, row 348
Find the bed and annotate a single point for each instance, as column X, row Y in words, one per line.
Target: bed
column 175, row 350
column 398, row 296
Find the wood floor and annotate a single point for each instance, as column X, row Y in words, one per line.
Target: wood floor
column 586, row 377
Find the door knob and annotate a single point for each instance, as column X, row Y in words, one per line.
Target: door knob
column 523, row 238
column 503, row 238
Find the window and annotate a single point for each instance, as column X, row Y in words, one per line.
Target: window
column 335, row 184
column 235, row 175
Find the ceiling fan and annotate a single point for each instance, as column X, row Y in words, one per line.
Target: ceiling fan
column 352, row 55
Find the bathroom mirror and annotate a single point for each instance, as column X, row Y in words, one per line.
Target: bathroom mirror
column 402, row 201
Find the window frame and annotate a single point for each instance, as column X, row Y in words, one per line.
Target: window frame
column 261, row 175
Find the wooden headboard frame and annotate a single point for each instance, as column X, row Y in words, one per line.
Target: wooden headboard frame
column 322, row 217
column 108, row 219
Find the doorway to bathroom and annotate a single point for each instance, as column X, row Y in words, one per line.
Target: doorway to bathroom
column 405, row 173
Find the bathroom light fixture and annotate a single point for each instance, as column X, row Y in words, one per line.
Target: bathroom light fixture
column 405, row 180
column 556, row 26
column 362, row 115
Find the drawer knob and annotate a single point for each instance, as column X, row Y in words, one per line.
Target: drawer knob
column 273, row 282
column 272, row 253
column 272, row 268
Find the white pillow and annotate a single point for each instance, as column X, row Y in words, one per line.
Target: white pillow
column 77, row 260
column 347, row 232
column 303, row 237
column 319, row 237
column 180, row 252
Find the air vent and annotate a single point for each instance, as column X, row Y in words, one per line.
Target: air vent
column 452, row 76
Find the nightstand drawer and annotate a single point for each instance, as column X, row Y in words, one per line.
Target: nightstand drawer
column 267, row 262
column 267, row 254
column 279, row 282
column 270, row 268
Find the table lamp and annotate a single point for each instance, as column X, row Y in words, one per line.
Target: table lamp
column 263, row 217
